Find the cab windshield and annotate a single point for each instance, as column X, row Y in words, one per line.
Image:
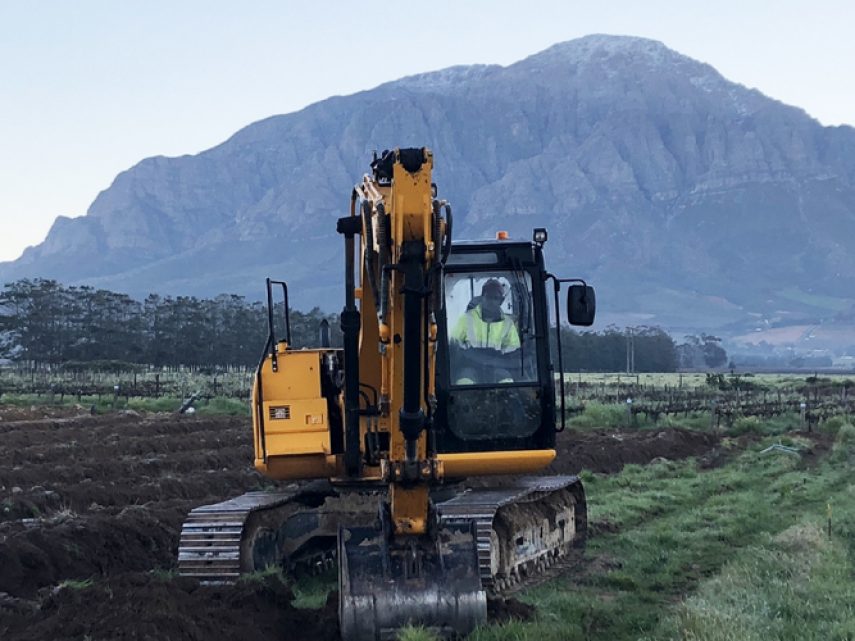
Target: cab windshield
column 490, row 328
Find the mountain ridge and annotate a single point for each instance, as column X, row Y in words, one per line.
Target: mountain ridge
column 692, row 200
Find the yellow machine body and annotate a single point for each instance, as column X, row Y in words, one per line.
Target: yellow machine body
column 292, row 426
column 292, row 435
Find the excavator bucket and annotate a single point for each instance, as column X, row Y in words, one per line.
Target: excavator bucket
column 387, row 583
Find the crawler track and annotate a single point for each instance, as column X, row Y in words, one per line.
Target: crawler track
column 295, row 528
column 211, row 537
column 521, row 529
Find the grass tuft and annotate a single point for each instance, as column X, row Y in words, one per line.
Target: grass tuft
column 312, row 592
column 845, row 433
column 599, row 416
column 222, row 405
column 416, row 633
column 164, row 574
column 260, row 576
column 75, row 584
column 832, row 424
column 746, row 425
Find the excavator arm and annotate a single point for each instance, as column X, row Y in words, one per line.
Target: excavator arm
column 408, row 569
column 400, row 207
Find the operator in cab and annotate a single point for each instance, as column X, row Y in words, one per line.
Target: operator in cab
column 486, row 326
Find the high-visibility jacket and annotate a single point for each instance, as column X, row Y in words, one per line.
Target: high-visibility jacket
column 471, row 330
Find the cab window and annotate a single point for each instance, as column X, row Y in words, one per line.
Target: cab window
column 490, row 328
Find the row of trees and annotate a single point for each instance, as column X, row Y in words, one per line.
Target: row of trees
column 641, row 349
column 44, row 322
column 614, row 350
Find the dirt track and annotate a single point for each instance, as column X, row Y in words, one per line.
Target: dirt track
column 103, row 498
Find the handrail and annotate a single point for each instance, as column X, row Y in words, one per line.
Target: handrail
column 271, row 339
column 556, row 288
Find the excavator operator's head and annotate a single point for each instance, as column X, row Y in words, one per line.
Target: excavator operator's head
column 492, row 295
column 493, row 290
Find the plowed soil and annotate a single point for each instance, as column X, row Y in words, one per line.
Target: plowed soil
column 608, row 451
column 91, row 509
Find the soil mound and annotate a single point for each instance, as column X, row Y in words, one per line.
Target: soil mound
column 607, row 451
column 45, row 554
column 143, row 607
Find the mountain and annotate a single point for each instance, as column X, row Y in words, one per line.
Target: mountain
column 688, row 200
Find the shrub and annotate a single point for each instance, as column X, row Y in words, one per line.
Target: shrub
column 598, row 415
column 844, row 443
column 410, row 633
column 747, row 424
column 845, row 433
column 833, row 424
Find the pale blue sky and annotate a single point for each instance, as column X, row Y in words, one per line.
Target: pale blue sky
column 90, row 87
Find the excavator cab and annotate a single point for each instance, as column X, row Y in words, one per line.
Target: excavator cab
column 494, row 378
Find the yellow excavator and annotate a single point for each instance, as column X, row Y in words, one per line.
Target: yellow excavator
column 444, row 375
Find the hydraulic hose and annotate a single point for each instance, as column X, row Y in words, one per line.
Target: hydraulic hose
column 449, row 222
column 385, row 275
column 370, row 254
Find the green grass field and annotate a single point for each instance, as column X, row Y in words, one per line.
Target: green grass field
column 734, row 553
column 676, row 529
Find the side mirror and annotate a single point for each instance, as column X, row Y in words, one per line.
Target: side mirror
column 581, row 305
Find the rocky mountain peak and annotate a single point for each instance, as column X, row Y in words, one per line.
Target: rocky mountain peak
column 601, row 47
